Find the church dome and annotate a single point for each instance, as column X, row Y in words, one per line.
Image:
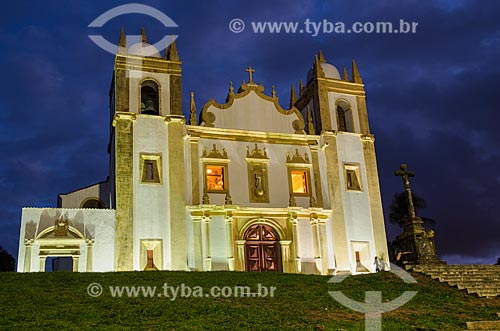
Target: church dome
column 144, row 49
column 329, row 69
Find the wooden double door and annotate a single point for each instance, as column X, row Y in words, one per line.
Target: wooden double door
column 262, row 249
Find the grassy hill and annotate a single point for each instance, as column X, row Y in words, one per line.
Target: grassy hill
column 59, row 301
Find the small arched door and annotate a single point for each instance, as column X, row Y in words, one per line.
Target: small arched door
column 262, row 249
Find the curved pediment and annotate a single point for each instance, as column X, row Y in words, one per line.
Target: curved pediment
column 54, row 232
column 251, row 109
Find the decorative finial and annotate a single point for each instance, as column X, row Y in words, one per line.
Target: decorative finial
column 312, row 201
column 250, row 72
column 231, row 92
column 292, row 202
column 144, row 39
column 346, row 75
column 227, row 199
column 172, row 53
column 321, row 58
column 192, row 107
column 356, row 78
column 123, row 40
column 206, row 198
column 310, row 123
column 122, row 44
column 301, row 86
column 273, row 91
column 293, row 96
column 317, row 69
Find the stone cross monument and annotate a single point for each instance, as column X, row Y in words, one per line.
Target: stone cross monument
column 416, row 244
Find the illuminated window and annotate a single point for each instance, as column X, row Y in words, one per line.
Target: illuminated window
column 215, row 178
column 299, row 182
column 351, row 173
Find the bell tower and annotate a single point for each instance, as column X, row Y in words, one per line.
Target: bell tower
column 144, row 82
column 335, row 108
column 146, row 150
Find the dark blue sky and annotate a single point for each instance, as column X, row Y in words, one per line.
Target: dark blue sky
column 433, row 97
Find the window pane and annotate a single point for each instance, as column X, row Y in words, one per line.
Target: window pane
column 215, row 178
column 299, row 181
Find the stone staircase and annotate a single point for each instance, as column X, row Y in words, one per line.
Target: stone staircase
column 484, row 325
column 480, row 280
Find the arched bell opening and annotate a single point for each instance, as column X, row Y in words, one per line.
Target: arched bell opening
column 150, row 98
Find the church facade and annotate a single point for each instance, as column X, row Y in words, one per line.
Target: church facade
column 243, row 185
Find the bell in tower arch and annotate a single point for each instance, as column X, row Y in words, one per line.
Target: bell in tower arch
column 149, row 98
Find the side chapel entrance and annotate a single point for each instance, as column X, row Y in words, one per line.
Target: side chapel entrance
column 262, row 249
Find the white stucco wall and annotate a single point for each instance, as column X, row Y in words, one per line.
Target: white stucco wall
column 151, row 200
column 96, row 224
column 356, row 203
column 238, row 174
column 252, row 112
column 306, row 246
column 218, row 243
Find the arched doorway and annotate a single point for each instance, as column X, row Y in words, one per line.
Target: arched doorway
column 262, row 249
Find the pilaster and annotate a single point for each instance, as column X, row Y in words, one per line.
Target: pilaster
column 124, row 238
column 376, row 211
column 340, row 245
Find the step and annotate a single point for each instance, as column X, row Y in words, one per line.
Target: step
column 478, row 287
column 486, row 325
column 457, row 268
column 485, row 294
column 467, row 280
column 471, row 272
column 476, row 284
column 465, row 272
column 475, row 276
column 489, row 276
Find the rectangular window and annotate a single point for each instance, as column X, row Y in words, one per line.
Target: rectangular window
column 298, row 180
column 352, row 178
column 150, row 168
column 215, row 178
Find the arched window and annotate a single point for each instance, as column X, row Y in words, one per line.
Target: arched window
column 344, row 116
column 149, row 98
column 94, row 203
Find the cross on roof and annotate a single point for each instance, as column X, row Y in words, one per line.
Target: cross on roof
column 250, row 72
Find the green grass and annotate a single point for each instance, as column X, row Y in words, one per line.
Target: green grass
column 59, row 301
